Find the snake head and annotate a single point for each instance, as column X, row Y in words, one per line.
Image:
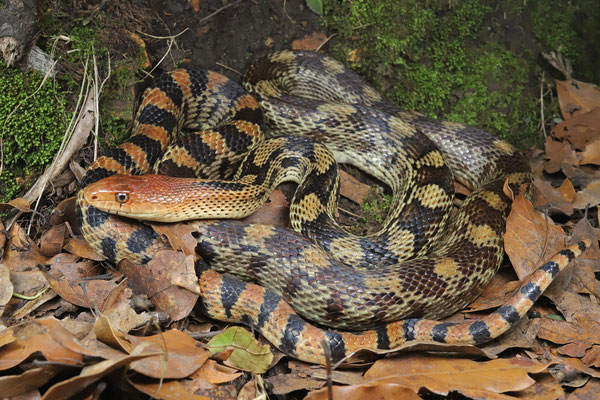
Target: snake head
column 117, row 194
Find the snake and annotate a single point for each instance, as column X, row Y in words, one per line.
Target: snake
column 315, row 291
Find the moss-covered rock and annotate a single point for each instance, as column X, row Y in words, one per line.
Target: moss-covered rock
column 466, row 60
column 32, row 122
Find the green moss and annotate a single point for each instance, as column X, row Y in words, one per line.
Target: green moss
column 458, row 60
column 33, row 133
column 376, row 209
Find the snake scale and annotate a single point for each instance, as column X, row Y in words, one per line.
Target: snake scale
column 422, row 264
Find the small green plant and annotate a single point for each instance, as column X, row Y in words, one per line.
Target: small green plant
column 315, row 6
column 32, row 123
column 377, row 209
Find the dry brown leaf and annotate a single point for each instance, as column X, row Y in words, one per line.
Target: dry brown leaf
column 591, row 153
column 52, row 241
column 588, row 392
column 90, row 374
column 563, row 332
column 287, row 383
column 530, row 237
column 80, row 247
column 567, row 190
column 590, row 195
column 65, row 212
column 592, row 357
column 182, row 355
column 15, row 385
column 548, row 198
column 155, row 279
column 275, row 212
column 83, row 293
column 336, row 376
column 65, row 264
column 6, row 286
column 576, row 97
column 522, row 335
column 179, row 236
column 559, row 155
column 351, row 188
column 19, row 203
column 46, row 336
column 374, row 390
column 499, row 288
column 575, row 349
column 111, row 336
column 310, row 42
column 195, row 389
column 21, row 252
column 215, row 373
column 195, row 4
column 443, row 374
column 577, row 364
column 117, row 308
column 2, row 237
column 28, row 283
column 546, row 387
column 250, row 390
column 579, row 129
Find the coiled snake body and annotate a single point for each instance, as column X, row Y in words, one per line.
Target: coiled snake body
column 422, row 264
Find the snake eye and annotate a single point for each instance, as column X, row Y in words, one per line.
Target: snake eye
column 121, row 197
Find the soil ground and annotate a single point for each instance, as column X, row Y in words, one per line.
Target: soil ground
column 234, row 37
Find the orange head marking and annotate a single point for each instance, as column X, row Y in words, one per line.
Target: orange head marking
column 113, row 193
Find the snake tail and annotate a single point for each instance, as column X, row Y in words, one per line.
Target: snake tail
column 227, row 298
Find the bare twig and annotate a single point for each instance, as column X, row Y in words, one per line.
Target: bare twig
column 202, row 20
column 324, row 42
column 229, row 68
column 327, row 352
column 170, row 41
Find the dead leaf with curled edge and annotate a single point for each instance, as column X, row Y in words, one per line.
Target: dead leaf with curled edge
column 589, row 196
column 182, row 354
column 215, row 373
column 88, row 293
column 531, row 237
column 549, row 198
column 6, row 286
column 156, row 280
column 567, row 190
column 52, row 241
column 441, row 375
column 371, row 390
column 19, row 203
column 21, row 252
column 189, row 389
column 80, row 247
column 580, row 129
column 46, row 336
column 576, row 97
column 591, row 153
column 275, row 212
column 12, row 386
column 90, row 374
column 559, row 155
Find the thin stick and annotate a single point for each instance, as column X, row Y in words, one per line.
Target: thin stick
column 349, row 212
column 201, row 20
column 229, row 68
